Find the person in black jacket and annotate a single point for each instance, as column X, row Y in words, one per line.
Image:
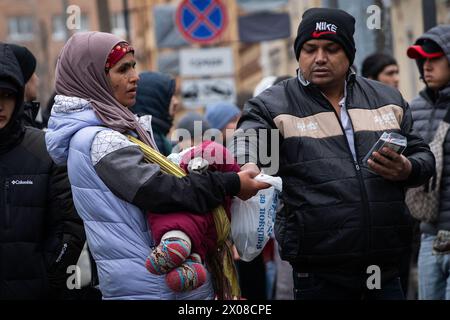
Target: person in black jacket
column 41, row 234
column 344, row 226
column 156, row 97
column 432, row 54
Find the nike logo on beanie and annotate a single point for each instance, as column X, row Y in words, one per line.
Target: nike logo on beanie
column 317, row 34
column 323, row 28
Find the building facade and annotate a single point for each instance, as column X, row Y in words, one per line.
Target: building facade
column 41, row 25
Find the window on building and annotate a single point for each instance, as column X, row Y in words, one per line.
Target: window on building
column 84, row 23
column 20, row 28
column 58, row 28
column 118, row 25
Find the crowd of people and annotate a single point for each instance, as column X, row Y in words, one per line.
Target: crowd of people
column 78, row 186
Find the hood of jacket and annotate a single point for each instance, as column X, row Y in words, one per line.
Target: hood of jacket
column 441, row 36
column 13, row 132
column 69, row 115
column 154, row 93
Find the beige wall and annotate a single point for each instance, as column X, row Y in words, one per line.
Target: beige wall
column 44, row 47
column 443, row 11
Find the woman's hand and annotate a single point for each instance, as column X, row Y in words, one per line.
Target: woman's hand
column 249, row 186
column 250, row 166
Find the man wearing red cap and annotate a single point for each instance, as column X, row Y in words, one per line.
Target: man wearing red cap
column 430, row 112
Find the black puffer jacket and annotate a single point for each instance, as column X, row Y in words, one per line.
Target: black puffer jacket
column 428, row 109
column 40, row 231
column 338, row 216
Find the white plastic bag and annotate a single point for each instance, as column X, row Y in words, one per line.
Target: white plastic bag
column 84, row 265
column 252, row 220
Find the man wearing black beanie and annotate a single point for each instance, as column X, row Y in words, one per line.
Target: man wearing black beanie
column 27, row 63
column 344, row 226
column 339, row 27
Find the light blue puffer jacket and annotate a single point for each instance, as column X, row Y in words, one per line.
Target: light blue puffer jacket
column 116, row 231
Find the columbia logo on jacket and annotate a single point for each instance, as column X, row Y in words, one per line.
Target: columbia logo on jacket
column 22, row 182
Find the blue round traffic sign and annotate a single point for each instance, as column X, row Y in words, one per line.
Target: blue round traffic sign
column 201, row 21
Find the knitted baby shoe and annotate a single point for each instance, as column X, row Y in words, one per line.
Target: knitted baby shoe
column 169, row 254
column 189, row 276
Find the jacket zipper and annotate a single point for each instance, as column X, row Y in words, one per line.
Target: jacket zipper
column 63, row 251
column 7, row 209
column 357, row 167
column 365, row 199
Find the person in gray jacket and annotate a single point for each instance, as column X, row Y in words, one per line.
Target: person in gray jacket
column 432, row 53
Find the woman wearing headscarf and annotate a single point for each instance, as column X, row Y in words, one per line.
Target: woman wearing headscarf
column 112, row 184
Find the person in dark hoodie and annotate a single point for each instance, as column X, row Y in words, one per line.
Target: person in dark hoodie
column 155, row 97
column 27, row 63
column 432, row 54
column 40, row 231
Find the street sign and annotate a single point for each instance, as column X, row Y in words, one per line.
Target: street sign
column 197, row 93
column 201, row 21
column 206, row 62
